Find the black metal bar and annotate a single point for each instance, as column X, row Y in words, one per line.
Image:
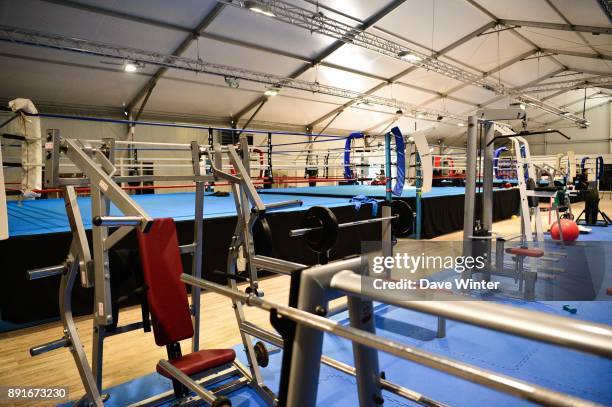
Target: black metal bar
column 527, row 133
column 16, row 115
column 9, row 136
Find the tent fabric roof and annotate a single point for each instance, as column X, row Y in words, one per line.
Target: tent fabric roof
column 239, row 38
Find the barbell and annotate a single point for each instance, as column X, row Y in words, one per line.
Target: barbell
column 320, row 227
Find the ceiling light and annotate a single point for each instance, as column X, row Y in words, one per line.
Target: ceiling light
column 461, row 124
column 259, row 8
column 271, row 92
column 587, row 123
column 409, row 56
column 419, row 115
column 130, row 66
column 549, row 129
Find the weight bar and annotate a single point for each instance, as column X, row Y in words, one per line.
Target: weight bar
column 303, row 231
column 320, row 228
column 117, row 220
column 49, row 346
column 46, row 272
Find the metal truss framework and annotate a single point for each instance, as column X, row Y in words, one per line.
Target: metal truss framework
column 59, row 42
column 321, row 24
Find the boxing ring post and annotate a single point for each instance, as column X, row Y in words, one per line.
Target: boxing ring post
column 4, row 233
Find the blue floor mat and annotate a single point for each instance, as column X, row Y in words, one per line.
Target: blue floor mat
column 560, row 369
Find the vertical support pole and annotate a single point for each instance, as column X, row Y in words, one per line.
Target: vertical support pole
column 526, row 229
column 76, row 346
column 487, row 193
column 198, row 234
column 100, row 206
column 4, row 230
column 270, row 178
column 361, row 316
column 305, row 363
column 52, row 156
column 419, row 193
column 247, row 236
column 386, row 236
column 388, row 196
column 470, row 184
column 210, row 137
column 208, row 170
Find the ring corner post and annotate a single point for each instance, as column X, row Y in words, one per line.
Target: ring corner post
column 4, row 232
column 388, row 196
column 419, row 194
column 198, row 233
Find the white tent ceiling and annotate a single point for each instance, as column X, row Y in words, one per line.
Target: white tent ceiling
column 242, row 39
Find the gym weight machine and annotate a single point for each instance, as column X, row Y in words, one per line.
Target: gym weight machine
column 478, row 219
column 96, row 160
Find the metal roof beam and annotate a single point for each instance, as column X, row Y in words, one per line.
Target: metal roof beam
column 183, row 46
column 117, row 14
column 579, row 34
column 606, row 7
column 513, row 31
column 557, row 26
column 555, row 94
column 577, row 54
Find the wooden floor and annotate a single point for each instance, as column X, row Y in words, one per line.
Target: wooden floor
column 134, row 354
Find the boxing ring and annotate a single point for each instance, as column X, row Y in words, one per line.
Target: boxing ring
column 39, row 235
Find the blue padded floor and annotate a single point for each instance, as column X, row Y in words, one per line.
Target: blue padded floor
column 560, row 369
column 49, row 215
column 557, row 368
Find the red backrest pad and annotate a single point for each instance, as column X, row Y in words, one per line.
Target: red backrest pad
column 167, row 295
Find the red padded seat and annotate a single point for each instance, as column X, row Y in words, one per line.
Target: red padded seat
column 167, row 295
column 526, row 252
column 200, row 361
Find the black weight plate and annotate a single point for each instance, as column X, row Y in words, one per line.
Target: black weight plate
column 262, row 238
column 402, row 225
column 322, row 239
column 534, row 201
column 261, row 354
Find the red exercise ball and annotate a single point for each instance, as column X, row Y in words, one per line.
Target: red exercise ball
column 569, row 228
column 507, row 185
